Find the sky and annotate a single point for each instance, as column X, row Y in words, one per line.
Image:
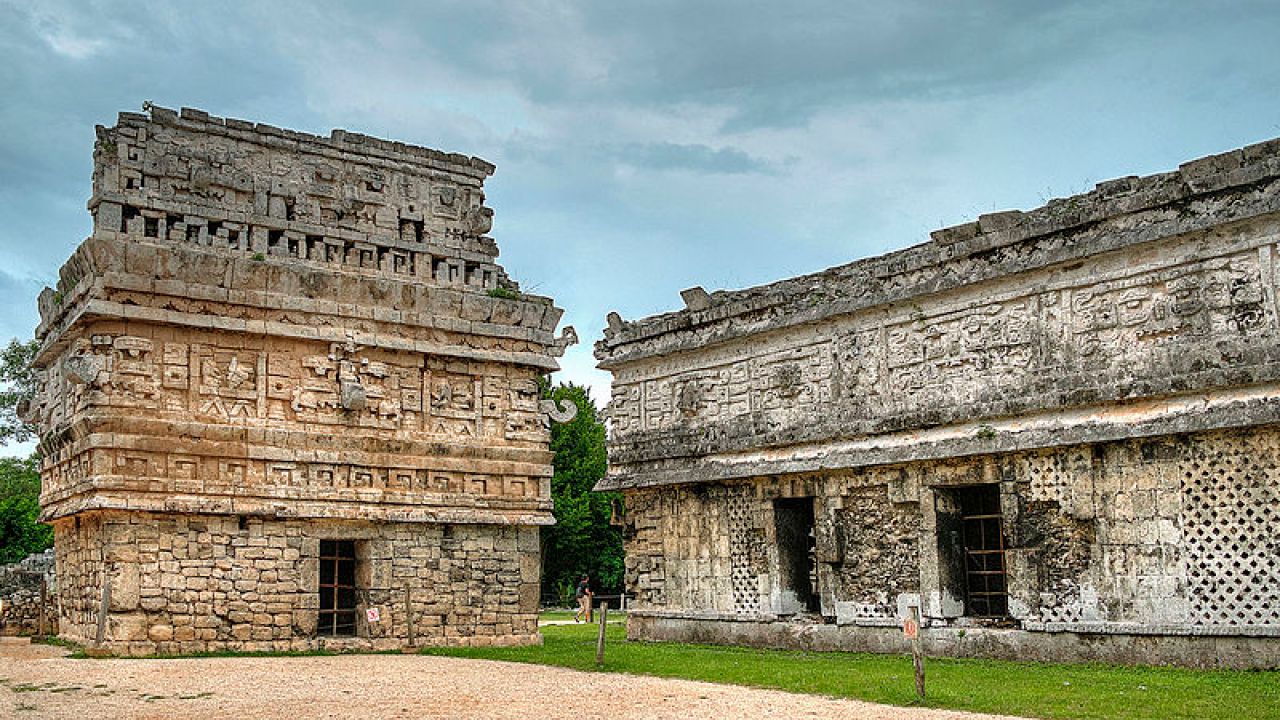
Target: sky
column 647, row 147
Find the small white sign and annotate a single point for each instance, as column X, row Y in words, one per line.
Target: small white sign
column 373, row 614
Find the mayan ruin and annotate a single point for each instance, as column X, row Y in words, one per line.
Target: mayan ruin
column 289, row 398
column 1053, row 432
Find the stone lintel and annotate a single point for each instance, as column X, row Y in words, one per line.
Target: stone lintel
column 293, row 508
column 55, row 342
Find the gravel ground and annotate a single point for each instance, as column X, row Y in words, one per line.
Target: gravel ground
column 36, row 681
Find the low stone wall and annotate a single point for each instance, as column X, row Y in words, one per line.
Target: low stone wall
column 21, row 598
column 1198, row 651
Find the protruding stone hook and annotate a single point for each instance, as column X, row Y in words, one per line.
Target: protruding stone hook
column 563, row 412
column 568, row 337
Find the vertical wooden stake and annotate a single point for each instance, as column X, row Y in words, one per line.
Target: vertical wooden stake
column 104, row 607
column 917, row 653
column 604, row 616
column 408, row 613
column 44, row 607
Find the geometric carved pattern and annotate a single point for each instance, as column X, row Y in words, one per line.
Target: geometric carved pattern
column 1051, row 474
column 1230, row 516
column 743, row 541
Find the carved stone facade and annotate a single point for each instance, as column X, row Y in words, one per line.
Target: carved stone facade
column 1056, row 432
column 273, row 341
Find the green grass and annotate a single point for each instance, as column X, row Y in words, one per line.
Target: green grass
column 555, row 615
column 614, row 615
column 1028, row 689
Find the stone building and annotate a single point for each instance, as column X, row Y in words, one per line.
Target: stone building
column 1055, row 432
column 289, row 398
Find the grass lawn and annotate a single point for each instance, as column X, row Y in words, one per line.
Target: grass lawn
column 1028, row 689
column 545, row 615
column 555, row 615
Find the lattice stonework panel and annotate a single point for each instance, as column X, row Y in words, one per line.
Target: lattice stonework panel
column 1051, row 474
column 745, row 546
column 1231, row 526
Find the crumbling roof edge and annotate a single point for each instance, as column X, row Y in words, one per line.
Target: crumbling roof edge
column 339, row 139
column 1109, row 199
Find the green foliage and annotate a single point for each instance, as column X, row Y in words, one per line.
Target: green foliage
column 20, row 533
column 504, row 293
column 19, row 385
column 582, row 540
column 992, row 686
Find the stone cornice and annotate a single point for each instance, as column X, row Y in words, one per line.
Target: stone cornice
column 1235, row 408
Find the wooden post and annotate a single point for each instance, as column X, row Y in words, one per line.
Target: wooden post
column 104, row 607
column 408, row 613
column 604, row 616
column 912, row 629
column 44, row 604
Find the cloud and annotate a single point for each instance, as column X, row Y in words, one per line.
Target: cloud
column 692, row 157
column 70, row 30
column 646, row 147
column 73, row 46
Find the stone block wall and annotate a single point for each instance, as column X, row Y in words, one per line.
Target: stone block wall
column 21, row 598
column 195, row 583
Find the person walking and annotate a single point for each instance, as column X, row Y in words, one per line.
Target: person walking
column 583, row 595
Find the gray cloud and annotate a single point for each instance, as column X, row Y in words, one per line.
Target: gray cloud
column 645, row 147
column 693, row 157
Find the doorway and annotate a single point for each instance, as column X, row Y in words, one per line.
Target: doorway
column 797, row 580
column 337, row 588
column 983, row 543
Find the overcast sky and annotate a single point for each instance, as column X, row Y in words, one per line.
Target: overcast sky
column 645, row 147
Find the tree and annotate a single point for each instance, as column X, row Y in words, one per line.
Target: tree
column 582, row 540
column 19, row 385
column 20, row 532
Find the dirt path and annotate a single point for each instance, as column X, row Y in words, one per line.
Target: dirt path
column 36, row 681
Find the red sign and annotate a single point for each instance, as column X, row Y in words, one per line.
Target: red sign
column 910, row 628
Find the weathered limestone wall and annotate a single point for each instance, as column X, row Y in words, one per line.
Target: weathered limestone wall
column 1169, row 536
column 22, row 600
column 272, row 338
column 194, row 583
column 1110, row 363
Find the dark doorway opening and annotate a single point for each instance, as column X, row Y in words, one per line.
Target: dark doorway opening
column 337, row 588
column 793, row 525
column 982, row 538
